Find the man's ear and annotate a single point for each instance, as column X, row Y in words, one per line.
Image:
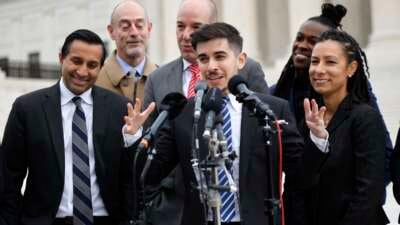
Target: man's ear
column 60, row 58
column 110, row 30
column 242, row 60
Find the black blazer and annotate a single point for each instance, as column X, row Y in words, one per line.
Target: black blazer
column 33, row 140
column 395, row 169
column 174, row 146
column 349, row 185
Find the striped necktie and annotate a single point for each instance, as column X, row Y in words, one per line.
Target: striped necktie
column 82, row 200
column 195, row 71
column 227, row 198
column 136, row 77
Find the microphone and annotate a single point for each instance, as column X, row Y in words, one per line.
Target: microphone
column 238, row 87
column 212, row 105
column 170, row 107
column 201, row 88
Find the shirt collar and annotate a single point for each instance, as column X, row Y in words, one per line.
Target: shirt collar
column 126, row 67
column 67, row 95
column 186, row 64
column 236, row 106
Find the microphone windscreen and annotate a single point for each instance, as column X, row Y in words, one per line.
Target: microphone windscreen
column 213, row 100
column 173, row 103
column 234, row 82
column 201, row 85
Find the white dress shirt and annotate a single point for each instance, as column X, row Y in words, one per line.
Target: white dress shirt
column 127, row 68
column 67, row 111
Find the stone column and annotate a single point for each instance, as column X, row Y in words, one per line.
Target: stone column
column 383, row 52
column 357, row 21
column 242, row 15
column 299, row 12
column 384, row 44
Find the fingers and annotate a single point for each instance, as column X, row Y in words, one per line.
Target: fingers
column 314, row 107
column 306, row 105
column 131, row 111
column 321, row 112
column 149, row 109
column 138, row 105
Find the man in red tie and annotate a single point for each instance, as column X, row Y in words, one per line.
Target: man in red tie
column 177, row 76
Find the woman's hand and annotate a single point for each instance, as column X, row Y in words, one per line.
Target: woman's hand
column 315, row 118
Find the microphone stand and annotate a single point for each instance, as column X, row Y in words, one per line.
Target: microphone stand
column 266, row 119
column 214, row 199
column 218, row 156
column 199, row 175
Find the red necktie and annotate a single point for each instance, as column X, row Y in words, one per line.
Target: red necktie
column 195, row 71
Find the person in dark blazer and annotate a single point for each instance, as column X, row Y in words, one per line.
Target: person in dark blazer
column 172, row 77
column 294, row 84
column 349, row 184
column 395, row 169
column 79, row 168
column 220, row 56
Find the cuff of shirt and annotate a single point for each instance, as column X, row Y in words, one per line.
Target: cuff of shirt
column 321, row 143
column 129, row 139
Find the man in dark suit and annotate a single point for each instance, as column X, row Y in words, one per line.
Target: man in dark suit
column 220, row 56
column 175, row 76
column 69, row 137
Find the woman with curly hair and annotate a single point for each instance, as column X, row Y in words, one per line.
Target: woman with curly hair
column 349, row 184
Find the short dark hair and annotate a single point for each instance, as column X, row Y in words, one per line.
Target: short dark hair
column 86, row 36
column 218, row 30
column 357, row 84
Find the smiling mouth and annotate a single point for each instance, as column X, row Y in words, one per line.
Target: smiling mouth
column 79, row 81
column 216, row 77
column 320, row 81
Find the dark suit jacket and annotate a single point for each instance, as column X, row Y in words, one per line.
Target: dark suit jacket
column 33, row 140
column 395, row 169
column 349, row 185
column 167, row 79
column 174, row 145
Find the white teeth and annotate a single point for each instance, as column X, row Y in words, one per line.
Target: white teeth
column 320, row 81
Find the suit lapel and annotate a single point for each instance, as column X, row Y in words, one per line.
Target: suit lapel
column 52, row 108
column 175, row 76
column 340, row 115
column 100, row 112
column 247, row 134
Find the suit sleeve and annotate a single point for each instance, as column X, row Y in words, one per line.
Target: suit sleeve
column 293, row 146
column 292, row 165
column 147, row 99
column 166, row 157
column 395, row 168
column 255, row 77
column 16, row 163
column 369, row 142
